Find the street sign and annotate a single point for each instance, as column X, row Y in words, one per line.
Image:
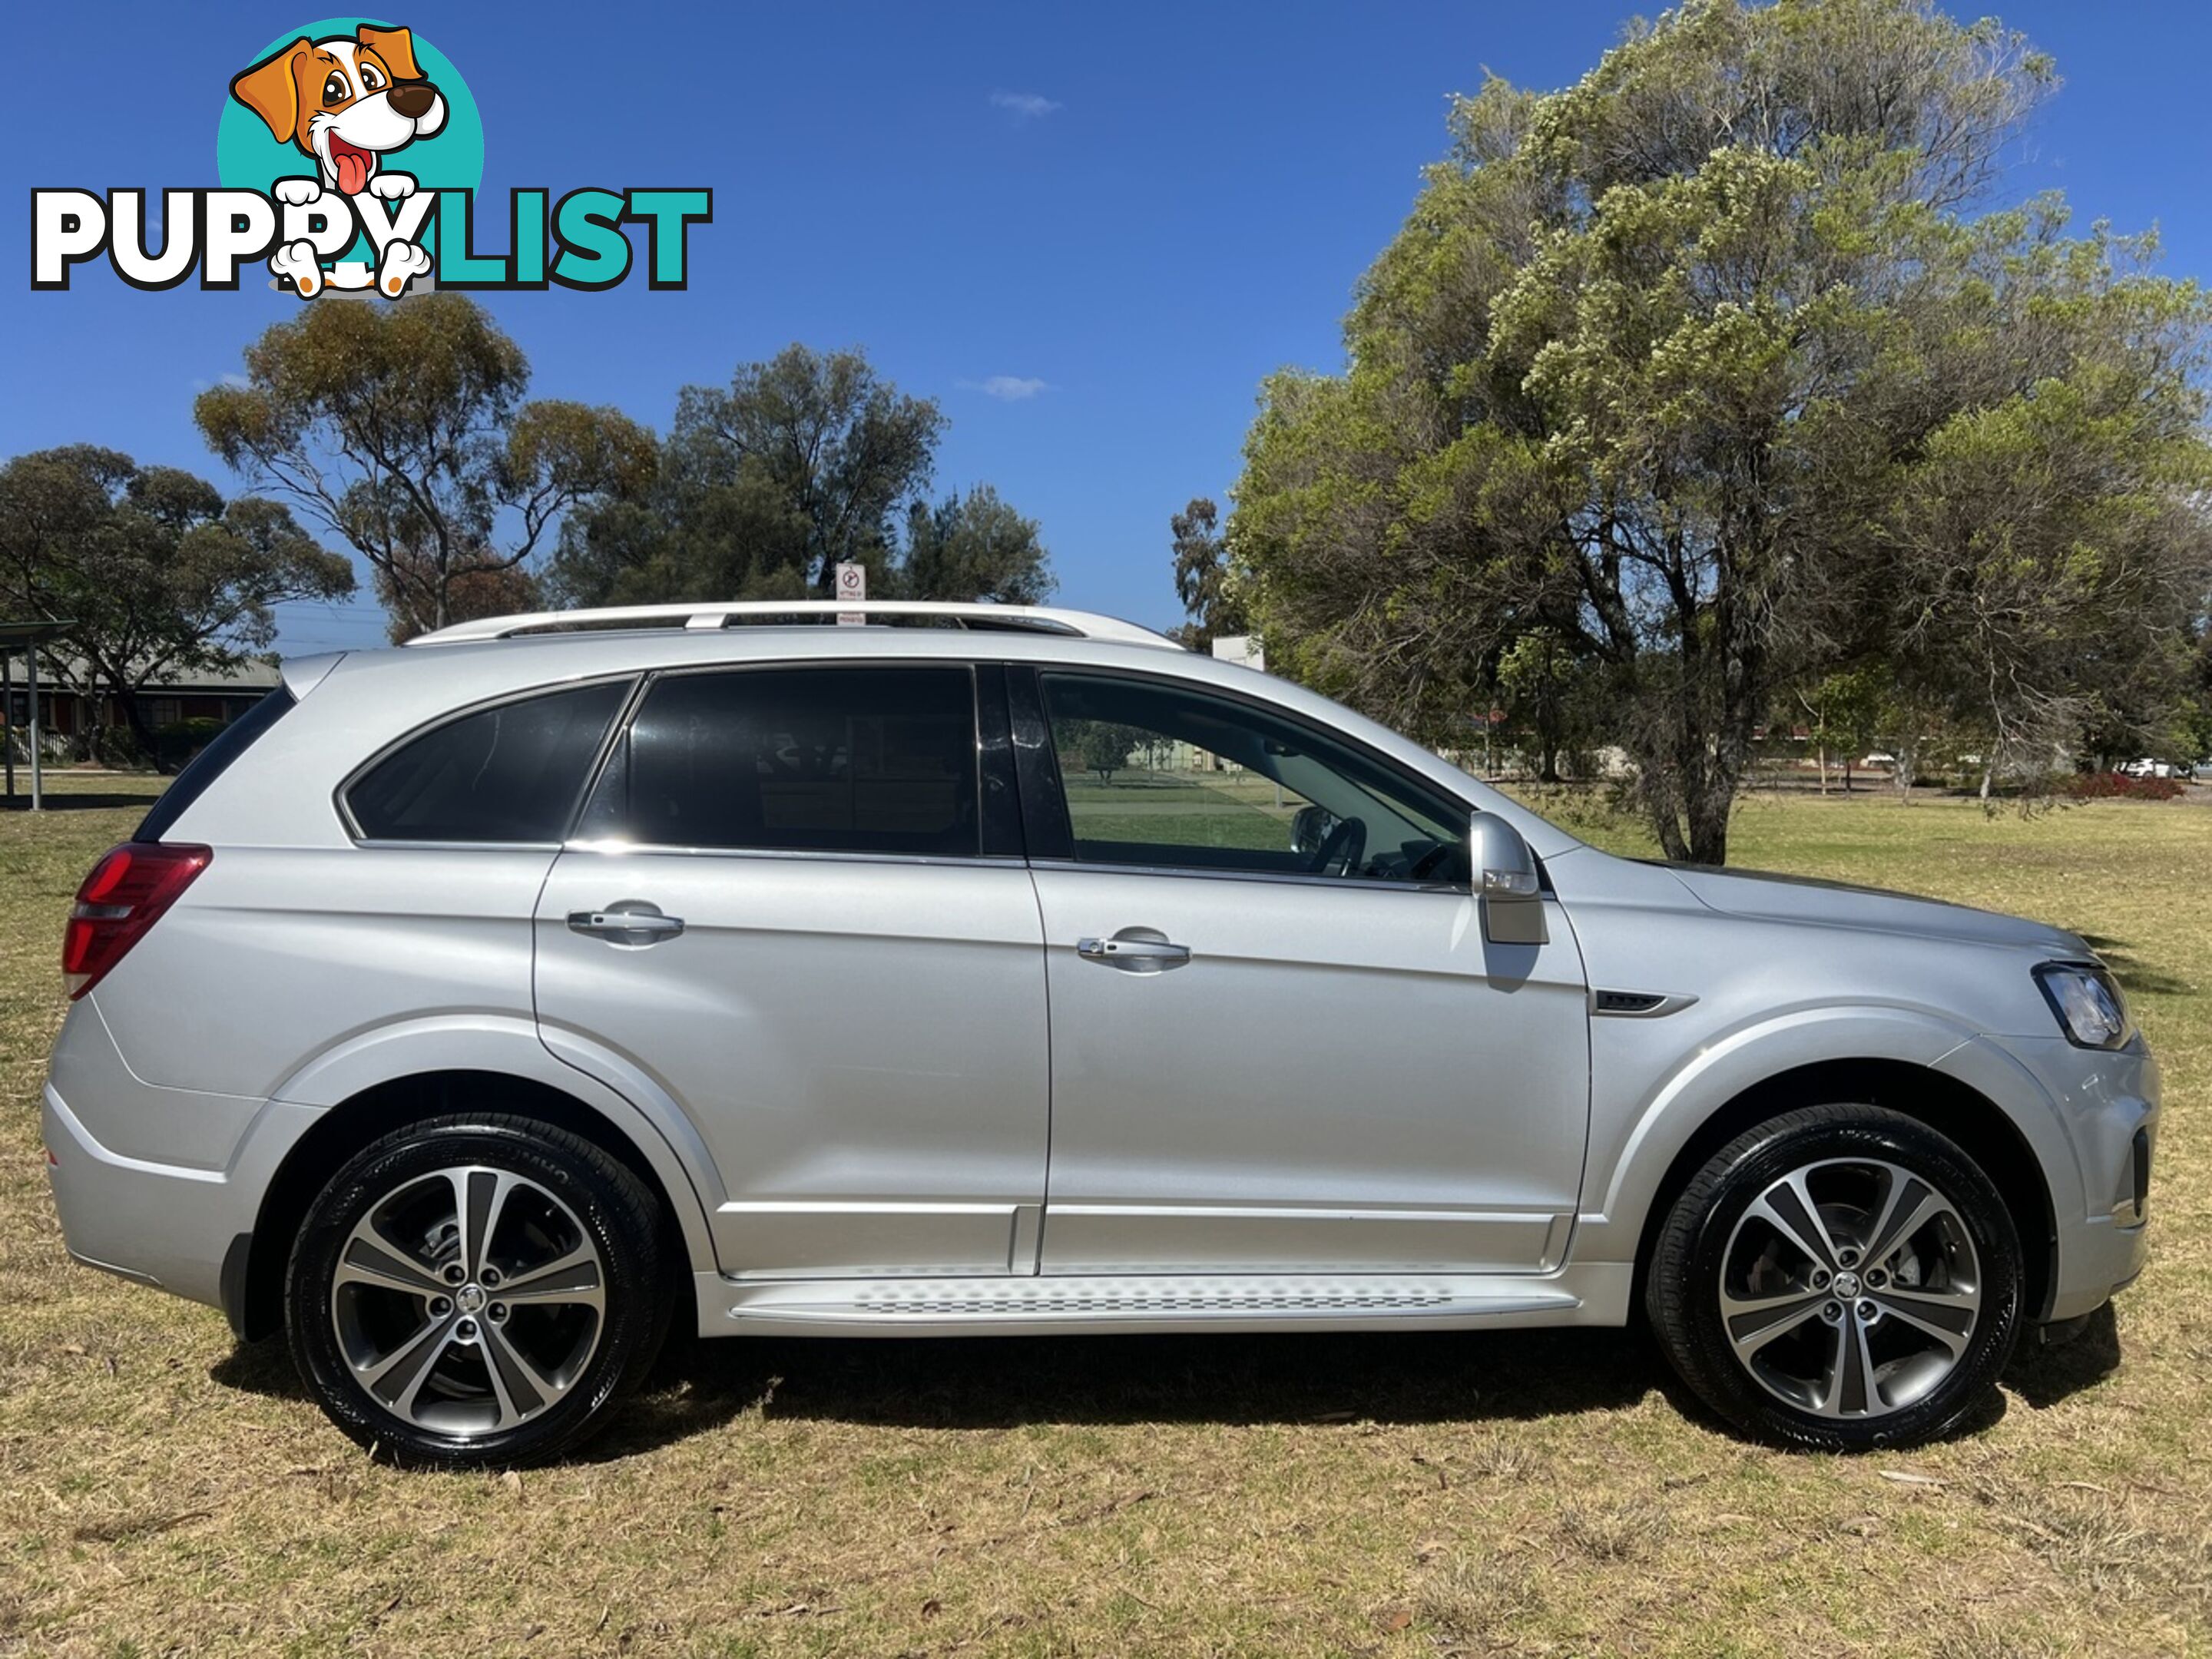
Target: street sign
column 851, row 589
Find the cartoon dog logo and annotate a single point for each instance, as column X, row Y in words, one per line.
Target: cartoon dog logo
column 347, row 102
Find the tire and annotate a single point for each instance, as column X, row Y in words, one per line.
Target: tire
column 432, row 1346
column 1775, row 1313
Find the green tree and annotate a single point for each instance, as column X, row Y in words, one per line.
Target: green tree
column 1685, row 362
column 1202, row 576
column 154, row 571
column 1550, row 690
column 2193, row 720
column 403, row 430
column 973, row 547
column 1101, row 746
column 2049, row 549
column 802, row 461
column 819, row 441
column 1843, row 714
column 765, row 486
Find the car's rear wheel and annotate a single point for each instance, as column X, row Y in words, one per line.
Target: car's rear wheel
column 1841, row 1277
column 476, row 1290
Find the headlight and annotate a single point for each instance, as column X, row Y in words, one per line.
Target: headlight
column 2086, row 1001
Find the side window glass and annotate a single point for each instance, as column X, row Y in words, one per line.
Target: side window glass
column 1166, row 776
column 825, row 760
column 509, row 772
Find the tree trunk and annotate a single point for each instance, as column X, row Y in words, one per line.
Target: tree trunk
column 1708, row 821
column 1824, row 768
column 126, row 698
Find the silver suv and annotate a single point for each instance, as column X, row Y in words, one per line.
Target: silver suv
column 469, row 1012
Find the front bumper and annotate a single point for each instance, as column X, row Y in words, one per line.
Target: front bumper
column 2094, row 1130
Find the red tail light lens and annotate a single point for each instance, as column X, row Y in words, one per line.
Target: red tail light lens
column 124, row 896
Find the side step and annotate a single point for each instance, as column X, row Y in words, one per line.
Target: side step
column 1128, row 1302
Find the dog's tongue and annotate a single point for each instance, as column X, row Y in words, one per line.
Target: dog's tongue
column 353, row 166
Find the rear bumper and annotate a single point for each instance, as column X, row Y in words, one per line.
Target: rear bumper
column 178, row 1227
column 161, row 1224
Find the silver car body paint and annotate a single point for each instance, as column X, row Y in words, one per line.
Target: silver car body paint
column 890, row 1095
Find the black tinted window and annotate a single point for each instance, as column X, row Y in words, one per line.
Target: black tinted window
column 836, row 760
column 508, row 773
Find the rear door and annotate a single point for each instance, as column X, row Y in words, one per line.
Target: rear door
column 793, row 904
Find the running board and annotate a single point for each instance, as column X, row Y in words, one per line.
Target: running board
column 883, row 1307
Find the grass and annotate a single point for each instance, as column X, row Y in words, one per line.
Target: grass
column 1182, row 809
column 163, row 1491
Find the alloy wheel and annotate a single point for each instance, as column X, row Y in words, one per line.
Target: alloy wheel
column 468, row 1301
column 1850, row 1288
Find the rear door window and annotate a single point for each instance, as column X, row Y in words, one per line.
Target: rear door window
column 815, row 760
column 509, row 772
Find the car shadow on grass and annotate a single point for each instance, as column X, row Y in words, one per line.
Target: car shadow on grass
column 2135, row 979
column 2044, row 1377
column 1450, row 1377
column 1001, row 1382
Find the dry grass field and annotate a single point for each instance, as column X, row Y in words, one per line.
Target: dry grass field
column 162, row 1490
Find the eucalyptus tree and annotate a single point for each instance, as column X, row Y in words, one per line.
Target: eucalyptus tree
column 1711, row 366
column 153, row 571
column 406, row 431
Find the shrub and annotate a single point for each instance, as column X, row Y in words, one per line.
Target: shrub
column 2117, row 786
column 114, row 747
column 177, row 743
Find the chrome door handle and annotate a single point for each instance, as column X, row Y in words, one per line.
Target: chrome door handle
column 641, row 924
column 1135, row 950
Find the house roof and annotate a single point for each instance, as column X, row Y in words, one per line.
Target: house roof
column 251, row 675
column 15, row 634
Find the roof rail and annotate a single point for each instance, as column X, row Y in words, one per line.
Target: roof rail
column 1017, row 618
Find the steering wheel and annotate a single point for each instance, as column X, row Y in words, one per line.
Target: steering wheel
column 1339, row 854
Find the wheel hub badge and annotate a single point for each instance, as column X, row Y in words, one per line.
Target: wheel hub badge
column 1847, row 1287
column 471, row 1299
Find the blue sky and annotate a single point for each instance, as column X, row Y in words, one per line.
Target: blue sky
column 1087, row 232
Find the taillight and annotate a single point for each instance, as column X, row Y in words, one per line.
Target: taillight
column 124, row 896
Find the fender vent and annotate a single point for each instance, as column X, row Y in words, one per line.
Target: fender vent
column 1625, row 1002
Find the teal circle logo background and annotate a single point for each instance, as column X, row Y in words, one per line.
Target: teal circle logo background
column 247, row 158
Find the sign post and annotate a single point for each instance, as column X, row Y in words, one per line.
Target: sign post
column 38, row 767
column 851, row 589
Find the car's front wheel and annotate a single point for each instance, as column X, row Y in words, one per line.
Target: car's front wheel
column 476, row 1290
column 1841, row 1277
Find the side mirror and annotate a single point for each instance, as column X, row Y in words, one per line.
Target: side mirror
column 1506, row 886
column 1309, row 828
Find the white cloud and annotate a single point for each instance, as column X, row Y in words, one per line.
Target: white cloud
column 1023, row 106
column 236, row 381
column 1007, row 388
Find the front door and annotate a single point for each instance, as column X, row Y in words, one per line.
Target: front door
column 788, row 905
column 1280, row 1042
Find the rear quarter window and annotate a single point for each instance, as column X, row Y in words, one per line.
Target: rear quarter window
column 212, row 761
column 511, row 772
